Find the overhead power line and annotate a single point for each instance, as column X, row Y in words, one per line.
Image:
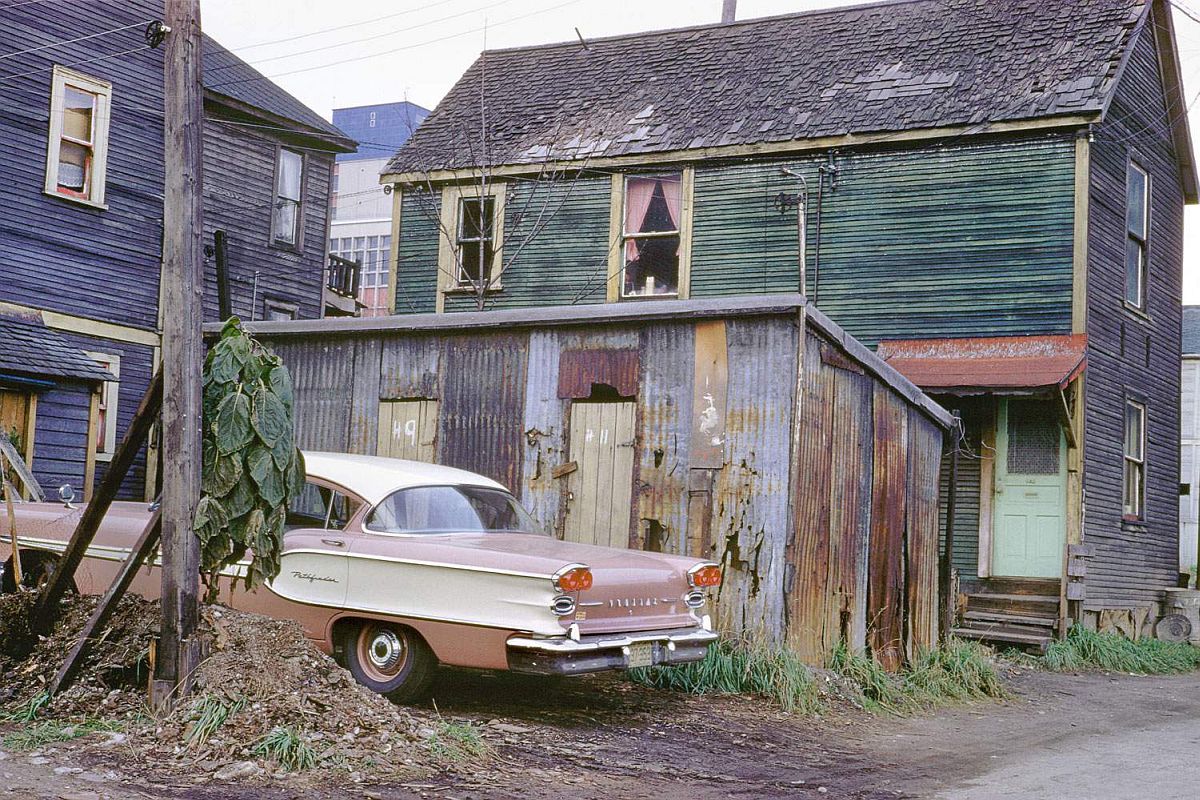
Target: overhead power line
column 336, row 28
column 65, row 42
column 106, row 57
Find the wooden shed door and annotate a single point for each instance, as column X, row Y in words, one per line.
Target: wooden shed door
column 1030, row 504
column 408, row 429
column 601, row 488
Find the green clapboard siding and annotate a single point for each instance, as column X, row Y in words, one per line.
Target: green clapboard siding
column 555, row 243
column 963, row 240
column 416, row 270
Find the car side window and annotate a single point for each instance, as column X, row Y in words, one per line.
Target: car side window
column 320, row 507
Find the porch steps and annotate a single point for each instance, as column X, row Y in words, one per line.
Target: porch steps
column 1012, row 612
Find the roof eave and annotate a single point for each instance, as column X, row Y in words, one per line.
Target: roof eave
column 1181, row 135
column 283, row 126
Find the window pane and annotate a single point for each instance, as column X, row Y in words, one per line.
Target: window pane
column 1135, row 202
column 651, row 266
column 1135, row 267
column 653, row 204
column 285, row 221
column 450, row 509
column 1134, row 421
column 290, row 167
column 78, row 110
column 471, row 266
column 74, row 166
column 475, row 221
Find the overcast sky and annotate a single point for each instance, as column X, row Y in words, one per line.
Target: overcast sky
column 335, row 53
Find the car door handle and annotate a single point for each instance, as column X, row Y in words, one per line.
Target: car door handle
column 334, row 542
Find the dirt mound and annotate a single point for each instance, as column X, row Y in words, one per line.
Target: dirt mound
column 264, row 701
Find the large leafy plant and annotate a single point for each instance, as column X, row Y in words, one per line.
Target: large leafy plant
column 251, row 465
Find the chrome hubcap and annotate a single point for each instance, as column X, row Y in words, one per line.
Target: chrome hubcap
column 385, row 651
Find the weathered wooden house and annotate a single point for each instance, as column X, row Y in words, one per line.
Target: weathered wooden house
column 658, row 426
column 1189, row 450
column 993, row 189
column 81, row 165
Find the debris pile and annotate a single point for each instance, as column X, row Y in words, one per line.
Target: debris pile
column 265, row 701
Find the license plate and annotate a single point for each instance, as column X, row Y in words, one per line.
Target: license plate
column 641, row 655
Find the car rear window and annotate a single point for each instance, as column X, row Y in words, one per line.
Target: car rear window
column 450, row 509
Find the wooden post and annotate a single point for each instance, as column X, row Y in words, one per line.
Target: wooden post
column 182, row 278
column 945, row 576
column 18, row 578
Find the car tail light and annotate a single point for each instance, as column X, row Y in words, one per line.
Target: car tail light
column 704, row 576
column 573, row 578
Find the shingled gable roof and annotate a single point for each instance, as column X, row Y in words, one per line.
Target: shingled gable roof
column 231, row 80
column 882, row 68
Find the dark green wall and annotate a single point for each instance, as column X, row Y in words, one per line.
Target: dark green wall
column 967, row 239
column 417, row 254
column 970, row 239
column 561, row 232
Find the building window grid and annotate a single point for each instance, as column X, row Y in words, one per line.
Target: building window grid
column 373, row 254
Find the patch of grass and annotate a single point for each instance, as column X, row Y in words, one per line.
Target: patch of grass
column 39, row 734
column 1083, row 649
column 457, row 742
column 287, row 747
column 27, row 711
column 209, row 713
column 736, row 667
column 955, row 671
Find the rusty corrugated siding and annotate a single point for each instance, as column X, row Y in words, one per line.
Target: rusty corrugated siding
column 322, row 374
column 998, row 362
column 751, row 512
column 886, row 601
column 921, row 550
column 545, row 444
column 410, row 367
column 362, row 434
column 483, row 404
column 580, row 370
column 664, row 409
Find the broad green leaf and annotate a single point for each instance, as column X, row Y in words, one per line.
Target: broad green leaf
column 231, row 427
column 267, row 476
column 284, row 450
column 242, row 498
column 297, row 475
column 222, row 474
column 229, row 355
column 269, row 417
column 280, row 382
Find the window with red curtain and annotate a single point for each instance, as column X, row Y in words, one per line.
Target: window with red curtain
column 650, row 238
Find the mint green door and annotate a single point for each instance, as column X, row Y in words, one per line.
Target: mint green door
column 1029, row 528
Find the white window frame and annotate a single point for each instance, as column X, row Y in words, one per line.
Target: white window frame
column 63, row 78
column 298, row 243
column 448, row 259
column 1133, row 509
column 1143, row 278
column 109, row 396
column 614, row 291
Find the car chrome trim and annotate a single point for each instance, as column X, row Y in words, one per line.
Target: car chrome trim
column 585, row 644
column 421, row 563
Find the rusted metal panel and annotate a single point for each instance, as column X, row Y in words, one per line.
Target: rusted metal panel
column 483, row 404
column 992, row 363
column 409, row 367
column 363, row 431
column 810, row 549
column 545, row 429
column 709, row 387
column 851, row 463
column 580, row 370
column 322, row 374
column 665, row 406
column 921, row 550
column 750, row 505
column 885, row 588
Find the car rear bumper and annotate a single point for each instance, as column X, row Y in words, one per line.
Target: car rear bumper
column 567, row 655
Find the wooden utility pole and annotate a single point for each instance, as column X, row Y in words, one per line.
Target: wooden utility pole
column 181, row 314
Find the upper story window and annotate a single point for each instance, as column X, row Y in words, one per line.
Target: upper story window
column 289, row 182
column 106, row 408
column 476, row 239
column 1134, row 484
column 77, row 151
column 650, row 235
column 1137, row 226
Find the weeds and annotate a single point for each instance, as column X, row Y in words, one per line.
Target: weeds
column 736, row 667
column 209, row 713
column 1084, row 649
column 457, row 742
column 955, row 671
column 40, row 734
column 287, row 747
column 878, row 689
column 27, row 711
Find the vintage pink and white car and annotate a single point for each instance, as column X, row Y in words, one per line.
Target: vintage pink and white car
column 398, row 566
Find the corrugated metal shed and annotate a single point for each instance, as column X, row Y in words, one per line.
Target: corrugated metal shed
column 764, row 438
column 992, row 364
